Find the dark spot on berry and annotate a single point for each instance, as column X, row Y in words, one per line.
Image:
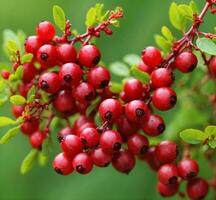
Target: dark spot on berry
column 80, row 169
column 143, row 150
column 107, row 164
column 191, row 68
column 191, row 175
column 104, row 83
column 89, row 97
column 60, row 138
column 67, row 78
column 44, row 85
column 127, row 171
column 96, row 60
column 161, row 128
column 173, row 180
column 172, row 76
column 117, row 146
column 83, row 141
column 173, row 100
column 108, row 115
column 58, row 171
column 44, row 56
column 140, row 112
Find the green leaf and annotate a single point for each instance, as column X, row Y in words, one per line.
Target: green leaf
column 210, row 131
column 212, row 144
column 92, row 106
column 193, row 6
column 17, row 100
column 206, row 45
column 26, row 58
column 119, row 69
column 12, row 78
column 140, row 75
column 131, row 59
column 116, row 87
column 42, row 160
column 115, row 23
column 59, row 17
column 12, row 46
column 162, row 43
column 31, row 94
column 9, row 134
column 186, row 11
column 90, row 17
column 46, row 146
column 19, row 72
column 5, row 121
column 167, row 33
column 29, row 161
column 192, row 136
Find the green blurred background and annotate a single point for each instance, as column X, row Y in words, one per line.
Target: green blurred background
column 143, row 18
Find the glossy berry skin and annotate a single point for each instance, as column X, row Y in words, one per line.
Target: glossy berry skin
column 67, row 53
column 47, row 55
column 110, row 141
column 49, row 82
column 17, row 110
column 168, row 174
column 101, row 158
column 137, row 111
column 29, row 72
column 164, row 98
column 84, row 126
column 154, row 126
column 71, row 145
column 24, row 88
column 71, row 74
column 36, row 139
column 98, row 77
column 151, row 56
column 64, row 132
column 188, row 169
column 167, row 190
column 197, row 188
column 82, row 163
column 212, row 66
column 138, row 144
column 5, row 74
column 162, row 77
column 45, row 31
column 110, row 110
column 145, row 68
column 123, row 161
column 89, row 137
column 89, row 56
column 186, row 62
column 81, row 121
column 133, row 89
column 166, row 151
column 62, row 164
column 84, row 92
column 32, row 44
column 63, row 101
column 30, row 125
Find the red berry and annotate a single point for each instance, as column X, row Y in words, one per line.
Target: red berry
column 64, row 132
column 84, row 126
column 70, row 73
column 167, row 190
column 100, row 158
column 36, row 139
column 151, row 56
column 62, row 164
column 110, row 141
column 30, row 125
column 98, row 77
column 124, row 97
column 164, row 98
column 166, row 151
column 49, row 82
column 89, row 56
column 186, row 62
column 137, row 111
column 212, row 66
column 5, row 74
column 110, row 110
column 145, row 68
column 138, row 144
column 154, row 126
column 24, row 88
column 81, row 121
column 197, row 188
column 123, row 161
column 82, row 163
column 133, row 89
column 168, row 174
column 188, row 169
column 82, row 107
column 32, row 44
column 67, row 53
column 17, row 110
column 29, row 72
column 45, row 31
column 162, row 77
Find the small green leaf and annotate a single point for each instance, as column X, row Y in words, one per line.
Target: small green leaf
column 206, row 45
column 193, row 6
column 167, row 33
column 59, row 17
column 19, row 72
column 186, row 11
column 9, row 134
column 17, row 100
column 119, row 69
column 192, row 136
column 31, row 94
column 210, row 131
column 90, row 17
column 29, row 161
column 131, row 59
column 140, row 75
column 92, row 106
column 46, row 146
column 116, row 87
column 42, row 160
column 163, row 43
column 13, row 78
column 5, row 121
column 12, row 46
column 115, row 23
column 26, row 58
column 212, row 144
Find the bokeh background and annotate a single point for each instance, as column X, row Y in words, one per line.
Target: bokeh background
column 143, row 18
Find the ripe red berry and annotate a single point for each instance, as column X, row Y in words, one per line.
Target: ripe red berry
column 30, row 125
column 124, row 97
column 84, row 126
column 166, row 151
column 212, row 66
column 67, row 53
column 188, row 169
column 98, row 77
column 162, row 77
column 29, row 72
column 168, row 174
column 24, row 88
column 45, row 31
column 101, row 158
column 71, row 145
column 123, row 161
column 62, row 164
column 151, row 56
column 89, row 56
column 64, row 132
column 137, row 111
column 186, row 62
column 70, row 73
column 197, row 188
column 145, row 68
column 133, row 89
column 49, row 82
column 82, row 163
column 154, row 125
column 17, row 110
column 110, row 141
column 164, row 98
column 32, row 44
column 5, row 74
column 167, row 190
column 80, row 121
column 36, row 139
column 110, row 110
